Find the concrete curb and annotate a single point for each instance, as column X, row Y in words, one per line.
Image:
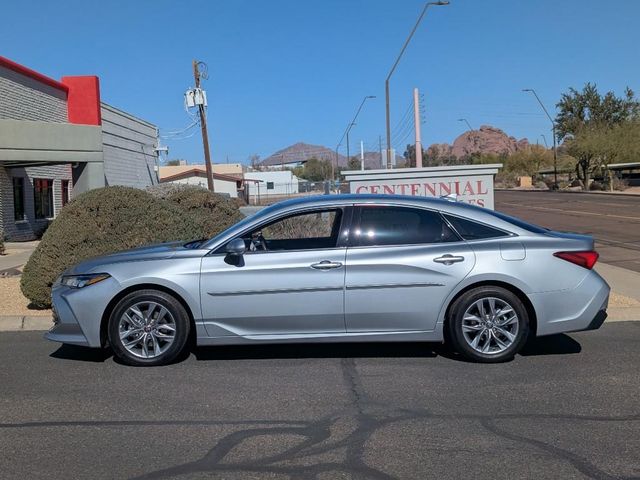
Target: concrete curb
column 24, row 323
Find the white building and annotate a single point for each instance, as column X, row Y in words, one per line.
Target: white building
column 197, row 175
column 270, row 183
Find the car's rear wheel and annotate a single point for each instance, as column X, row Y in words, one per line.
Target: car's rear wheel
column 488, row 324
column 147, row 328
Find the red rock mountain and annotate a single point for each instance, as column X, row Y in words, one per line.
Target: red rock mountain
column 487, row 140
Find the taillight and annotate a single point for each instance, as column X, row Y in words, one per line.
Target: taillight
column 583, row 259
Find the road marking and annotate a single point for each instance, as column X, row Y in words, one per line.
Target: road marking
column 593, row 214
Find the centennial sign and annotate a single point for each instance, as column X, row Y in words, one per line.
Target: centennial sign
column 471, row 184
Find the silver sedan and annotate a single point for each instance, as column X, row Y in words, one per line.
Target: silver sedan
column 345, row 268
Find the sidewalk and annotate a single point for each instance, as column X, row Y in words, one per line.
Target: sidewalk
column 16, row 254
column 625, row 284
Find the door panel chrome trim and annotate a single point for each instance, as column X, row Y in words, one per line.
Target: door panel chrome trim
column 393, row 285
column 276, row 290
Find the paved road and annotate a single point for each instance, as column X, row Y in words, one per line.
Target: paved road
column 567, row 409
column 614, row 221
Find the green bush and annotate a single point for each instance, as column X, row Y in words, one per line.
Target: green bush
column 112, row 219
column 1, row 242
column 213, row 212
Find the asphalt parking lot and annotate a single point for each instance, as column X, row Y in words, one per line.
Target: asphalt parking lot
column 613, row 220
column 567, row 408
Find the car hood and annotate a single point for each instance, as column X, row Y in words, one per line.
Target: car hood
column 152, row 252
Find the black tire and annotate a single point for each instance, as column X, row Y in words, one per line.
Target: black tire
column 179, row 316
column 456, row 335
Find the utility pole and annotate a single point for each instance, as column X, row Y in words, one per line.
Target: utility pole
column 416, row 116
column 203, row 125
column 361, row 155
column 380, row 146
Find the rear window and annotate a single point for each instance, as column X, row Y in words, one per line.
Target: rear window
column 470, row 230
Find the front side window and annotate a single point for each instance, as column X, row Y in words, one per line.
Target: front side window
column 385, row 225
column 470, row 230
column 18, row 198
column 310, row 230
column 43, row 198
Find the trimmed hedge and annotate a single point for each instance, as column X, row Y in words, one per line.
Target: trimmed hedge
column 111, row 219
column 213, row 212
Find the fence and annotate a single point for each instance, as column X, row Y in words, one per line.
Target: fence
column 266, row 193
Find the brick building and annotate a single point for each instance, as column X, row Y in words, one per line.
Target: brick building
column 58, row 139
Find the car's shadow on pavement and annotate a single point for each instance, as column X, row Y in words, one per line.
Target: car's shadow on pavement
column 552, row 345
column 84, row 354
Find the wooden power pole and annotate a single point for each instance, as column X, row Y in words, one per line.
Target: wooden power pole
column 203, row 126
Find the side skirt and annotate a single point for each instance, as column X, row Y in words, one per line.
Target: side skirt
column 404, row 336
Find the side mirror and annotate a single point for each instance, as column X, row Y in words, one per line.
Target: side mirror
column 236, row 247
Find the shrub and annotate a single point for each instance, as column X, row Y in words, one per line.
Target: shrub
column 1, row 242
column 596, row 186
column 212, row 211
column 108, row 220
column 619, row 184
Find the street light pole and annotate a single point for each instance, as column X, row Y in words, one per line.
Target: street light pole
column 465, row 121
column 545, row 140
column 346, row 132
column 553, row 124
column 386, row 83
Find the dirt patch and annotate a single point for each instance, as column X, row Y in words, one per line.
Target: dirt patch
column 13, row 303
column 617, row 300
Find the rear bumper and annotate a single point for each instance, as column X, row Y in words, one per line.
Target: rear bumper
column 579, row 309
column 597, row 321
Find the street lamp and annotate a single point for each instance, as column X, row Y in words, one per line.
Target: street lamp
column 465, row 121
column 346, row 132
column 386, row 83
column 553, row 124
column 544, row 139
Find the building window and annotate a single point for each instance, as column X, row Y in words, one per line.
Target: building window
column 269, row 185
column 65, row 192
column 43, row 197
column 18, row 198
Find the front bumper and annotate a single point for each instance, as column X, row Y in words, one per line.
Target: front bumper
column 78, row 312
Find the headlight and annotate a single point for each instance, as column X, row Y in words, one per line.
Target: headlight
column 80, row 281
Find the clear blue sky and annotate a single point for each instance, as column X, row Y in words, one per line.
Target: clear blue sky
column 283, row 71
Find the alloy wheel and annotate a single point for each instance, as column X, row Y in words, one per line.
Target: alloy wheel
column 147, row 329
column 490, row 325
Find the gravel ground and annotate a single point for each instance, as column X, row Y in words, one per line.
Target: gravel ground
column 13, row 303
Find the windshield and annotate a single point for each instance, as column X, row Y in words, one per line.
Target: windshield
column 250, row 218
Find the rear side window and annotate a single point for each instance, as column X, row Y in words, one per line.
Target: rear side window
column 382, row 225
column 470, row 230
column 529, row 227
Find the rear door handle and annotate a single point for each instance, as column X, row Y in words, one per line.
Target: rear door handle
column 448, row 259
column 326, row 265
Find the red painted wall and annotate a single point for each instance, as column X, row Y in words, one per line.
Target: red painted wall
column 83, row 100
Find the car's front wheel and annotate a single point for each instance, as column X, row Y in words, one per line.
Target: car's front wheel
column 488, row 324
column 148, row 327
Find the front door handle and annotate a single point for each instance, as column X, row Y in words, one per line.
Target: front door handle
column 326, row 265
column 448, row 259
